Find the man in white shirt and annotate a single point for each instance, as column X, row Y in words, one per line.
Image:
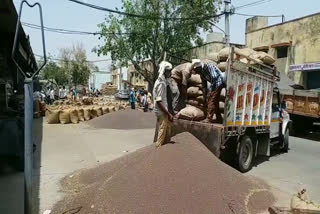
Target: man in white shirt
column 164, row 117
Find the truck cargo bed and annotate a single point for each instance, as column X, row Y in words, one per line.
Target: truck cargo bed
column 210, row 134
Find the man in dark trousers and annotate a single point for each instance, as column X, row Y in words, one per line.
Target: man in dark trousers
column 209, row 72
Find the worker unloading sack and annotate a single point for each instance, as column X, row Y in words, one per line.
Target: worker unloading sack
column 210, row 73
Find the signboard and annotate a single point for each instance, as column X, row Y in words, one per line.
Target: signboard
column 305, row 67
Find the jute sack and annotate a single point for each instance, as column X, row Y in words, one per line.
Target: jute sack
column 94, row 112
column 194, row 80
column 111, row 108
column 193, row 102
column 222, row 66
column 99, row 111
column 246, row 61
column 52, row 116
column 74, row 117
column 191, row 113
column 224, row 53
column 87, row 113
column 200, row 99
column 266, row 58
column 80, row 114
column 214, row 57
column 247, row 52
column 300, row 202
column 105, row 109
column 64, row 116
column 194, row 91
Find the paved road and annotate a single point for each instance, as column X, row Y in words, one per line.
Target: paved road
column 290, row 172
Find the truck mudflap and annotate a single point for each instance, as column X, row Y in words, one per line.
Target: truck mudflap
column 210, row 134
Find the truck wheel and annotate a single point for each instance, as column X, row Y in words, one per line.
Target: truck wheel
column 286, row 141
column 245, row 155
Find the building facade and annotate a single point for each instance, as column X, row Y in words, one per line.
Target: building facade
column 294, row 44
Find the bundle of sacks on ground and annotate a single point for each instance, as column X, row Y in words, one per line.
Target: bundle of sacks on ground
column 195, row 109
column 66, row 111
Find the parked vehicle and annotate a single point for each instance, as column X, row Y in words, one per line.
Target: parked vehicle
column 303, row 107
column 122, row 94
column 254, row 118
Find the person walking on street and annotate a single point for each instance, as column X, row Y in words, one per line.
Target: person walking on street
column 164, row 117
column 132, row 99
column 144, row 101
column 210, row 73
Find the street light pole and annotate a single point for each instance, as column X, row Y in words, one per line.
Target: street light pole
column 227, row 4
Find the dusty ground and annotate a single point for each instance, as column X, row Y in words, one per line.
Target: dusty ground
column 62, row 149
column 177, row 178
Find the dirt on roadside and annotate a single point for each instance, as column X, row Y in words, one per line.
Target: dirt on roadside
column 183, row 177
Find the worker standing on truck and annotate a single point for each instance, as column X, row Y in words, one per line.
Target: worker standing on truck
column 209, row 72
column 180, row 76
column 164, row 117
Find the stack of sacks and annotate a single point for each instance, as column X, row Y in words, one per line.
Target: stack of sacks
column 194, row 109
column 241, row 54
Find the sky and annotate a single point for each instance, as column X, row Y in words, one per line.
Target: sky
column 68, row 15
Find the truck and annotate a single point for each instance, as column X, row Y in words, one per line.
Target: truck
column 254, row 121
column 303, row 107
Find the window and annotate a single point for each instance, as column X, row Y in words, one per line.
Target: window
column 282, row 52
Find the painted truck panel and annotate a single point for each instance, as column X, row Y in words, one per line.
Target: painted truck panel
column 249, row 97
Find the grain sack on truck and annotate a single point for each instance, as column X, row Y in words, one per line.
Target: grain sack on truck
column 194, row 91
column 191, row 113
column 224, row 53
column 264, row 57
column 52, row 116
column 194, row 80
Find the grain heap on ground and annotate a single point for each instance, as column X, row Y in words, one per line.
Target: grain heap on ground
column 177, row 178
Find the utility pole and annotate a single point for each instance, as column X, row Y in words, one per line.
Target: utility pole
column 227, row 12
column 120, row 77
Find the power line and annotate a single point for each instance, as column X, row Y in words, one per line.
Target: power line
column 252, row 4
column 65, row 31
column 242, row 14
column 142, row 16
column 62, row 60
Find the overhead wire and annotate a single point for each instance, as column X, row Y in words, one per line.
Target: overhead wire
column 89, row 61
column 252, row 4
column 65, row 31
column 143, row 16
column 242, row 14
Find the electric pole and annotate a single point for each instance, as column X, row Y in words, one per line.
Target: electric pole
column 227, row 12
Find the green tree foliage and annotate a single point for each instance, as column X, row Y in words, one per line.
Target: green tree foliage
column 53, row 71
column 152, row 38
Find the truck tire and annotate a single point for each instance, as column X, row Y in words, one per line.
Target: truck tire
column 286, row 141
column 245, row 155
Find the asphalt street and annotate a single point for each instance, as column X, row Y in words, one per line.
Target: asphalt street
column 290, row 172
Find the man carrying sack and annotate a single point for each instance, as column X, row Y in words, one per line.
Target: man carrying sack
column 164, row 117
column 180, row 76
column 210, row 73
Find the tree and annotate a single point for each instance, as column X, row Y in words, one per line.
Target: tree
column 80, row 68
column 53, row 71
column 75, row 65
column 130, row 39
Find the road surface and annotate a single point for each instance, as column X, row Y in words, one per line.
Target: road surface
column 288, row 173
